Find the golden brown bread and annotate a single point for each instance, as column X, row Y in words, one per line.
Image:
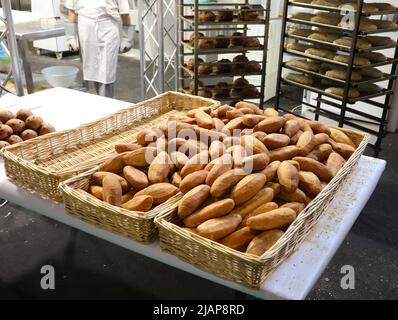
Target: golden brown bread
column 263, row 242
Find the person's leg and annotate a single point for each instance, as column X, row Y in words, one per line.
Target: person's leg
column 97, row 86
column 105, row 90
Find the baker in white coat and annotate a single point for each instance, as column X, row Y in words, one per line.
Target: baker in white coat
column 98, row 24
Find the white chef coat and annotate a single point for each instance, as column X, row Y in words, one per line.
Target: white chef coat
column 97, row 8
column 99, row 36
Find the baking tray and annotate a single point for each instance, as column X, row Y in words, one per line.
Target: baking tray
column 340, row 29
column 320, row 90
column 334, row 9
column 340, row 47
column 354, row 84
column 307, row 56
column 225, row 98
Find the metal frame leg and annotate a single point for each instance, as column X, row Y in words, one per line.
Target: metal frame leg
column 23, row 49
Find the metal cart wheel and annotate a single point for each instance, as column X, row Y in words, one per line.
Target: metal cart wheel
column 59, row 55
column 38, row 52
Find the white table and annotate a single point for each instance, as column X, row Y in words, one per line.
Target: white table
column 293, row 279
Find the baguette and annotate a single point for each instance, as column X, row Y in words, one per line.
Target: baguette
column 192, row 180
column 276, row 140
column 217, row 228
column 141, row 203
column 322, row 171
column 265, row 195
column 135, row 177
column 274, row 219
column 192, row 200
column 239, row 239
column 288, row 176
column 112, row 190
column 214, row 210
column 263, row 242
column 248, row 187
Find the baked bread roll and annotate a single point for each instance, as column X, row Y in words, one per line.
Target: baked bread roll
column 302, row 16
column 251, row 42
column 298, row 47
column 299, row 78
column 369, row 88
column 327, row 37
column 338, row 91
column 322, row 53
column 328, row 83
column 325, row 3
column 342, row 74
column 191, row 63
column 252, row 66
column 374, row 57
column 367, row 7
column 247, row 14
column 383, row 6
column 225, row 15
column 346, row 42
column 204, row 68
column 239, row 83
column 206, row 16
column 304, row 64
column 223, row 66
column 364, row 26
column 326, row 19
column 300, row 32
column 380, row 41
column 372, row 73
column 382, row 24
column 237, row 41
column 239, row 62
column 205, row 43
column 222, row 89
column 221, row 42
column 192, row 85
column 250, row 91
column 358, row 61
column 205, row 93
column 192, row 38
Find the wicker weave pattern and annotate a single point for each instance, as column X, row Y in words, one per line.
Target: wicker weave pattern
column 243, row 268
column 134, row 225
column 42, row 163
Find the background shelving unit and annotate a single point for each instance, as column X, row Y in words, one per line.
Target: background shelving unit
column 348, row 113
column 189, row 23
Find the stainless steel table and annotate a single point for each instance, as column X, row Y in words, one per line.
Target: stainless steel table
column 29, row 31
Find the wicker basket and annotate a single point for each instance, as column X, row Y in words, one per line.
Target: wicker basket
column 240, row 267
column 42, row 163
column 134, row 225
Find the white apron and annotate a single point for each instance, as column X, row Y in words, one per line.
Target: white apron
column 100, row 42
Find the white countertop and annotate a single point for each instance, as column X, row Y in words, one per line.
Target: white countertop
column 293, row 279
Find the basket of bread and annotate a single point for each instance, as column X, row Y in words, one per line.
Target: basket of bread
column 40, row 164
column 257, row 191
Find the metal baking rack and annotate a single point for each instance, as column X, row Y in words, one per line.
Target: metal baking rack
column 189, row 22
column 348, row 113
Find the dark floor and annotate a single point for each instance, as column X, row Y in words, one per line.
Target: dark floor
column 87, row 267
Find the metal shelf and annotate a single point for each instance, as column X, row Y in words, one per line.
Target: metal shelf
column 353, row 84
column 187, row 24
column 334, row 9
column 190, row 19
column 226, row 98
column 191, row 74
column 236, row 49
column 340, row 47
